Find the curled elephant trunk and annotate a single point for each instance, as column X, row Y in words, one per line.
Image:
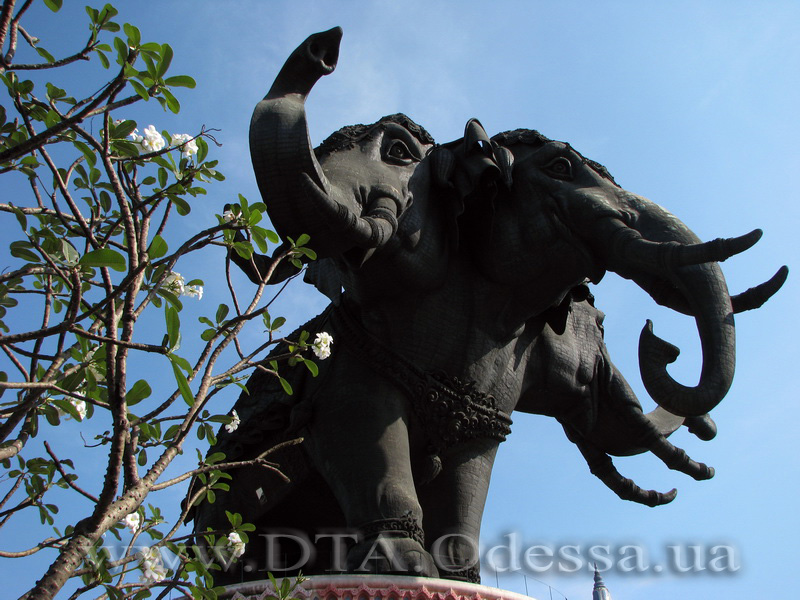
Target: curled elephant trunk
column 660, row 244
column 299, row 197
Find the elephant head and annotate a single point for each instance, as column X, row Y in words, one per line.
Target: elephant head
column 349, row 193
column 553, row 216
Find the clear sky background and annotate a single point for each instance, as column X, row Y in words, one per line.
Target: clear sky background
column 690, row 103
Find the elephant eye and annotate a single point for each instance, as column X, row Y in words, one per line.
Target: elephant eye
column 399, row 151
column 560, row 168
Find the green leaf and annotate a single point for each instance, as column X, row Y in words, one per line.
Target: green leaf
column 202, row 149
column 68, row 408
column 158, row 248
column 140, row 89
column 170, row 297
column 54, row 92
column 311, row 366
column 180, row 81
column 140, row 390
column 134, row 36
column 181, row 205
column 122, row 50
column 183, row 383
column 166, row 60
column 87, row 152
column 308, row 252
column 104, row 257
column 124, row 129
column 71, row 255
column 21, row 218
column 173, row 325
column 302, row 240
column 222, row 312
column 243, row 249
column 53, row 5
column 52, row 118
column 45, row 55
column 126, row 148
column 103, row 59
column 162, row 177
column 286, row 386
column 24, row 250
column 172, row 101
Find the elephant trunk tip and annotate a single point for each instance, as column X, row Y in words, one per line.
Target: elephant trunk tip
column 316, row 57
column 323, row 49
column 654, row 356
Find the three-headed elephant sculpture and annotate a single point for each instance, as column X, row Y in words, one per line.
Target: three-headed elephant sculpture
column 463, row 268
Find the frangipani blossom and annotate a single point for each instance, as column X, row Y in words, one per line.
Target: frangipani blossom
column 132, row 521
column 175, row 283
column 151, row 141
column 322, row 345
column 189, row 144
column 150, row 563
column 233, row 425
column 235, row 545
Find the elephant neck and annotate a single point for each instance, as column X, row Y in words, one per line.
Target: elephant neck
column 468, row 327
column 437, row 396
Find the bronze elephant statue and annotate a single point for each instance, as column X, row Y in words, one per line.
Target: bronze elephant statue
column 464, row 270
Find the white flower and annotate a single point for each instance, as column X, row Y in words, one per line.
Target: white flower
column 148, row 554
column 80, row 408
column 235, row 545
column 174, row 283
column 233, row 425
column 153, row 572
column 194, row 291
column 322, row 345
column 151, row 141
column 228, row 216
column 132, row 521
column 150, row 562
column 189, row 144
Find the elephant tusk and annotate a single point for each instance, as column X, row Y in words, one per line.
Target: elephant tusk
column 756, row 296
column 628, row 246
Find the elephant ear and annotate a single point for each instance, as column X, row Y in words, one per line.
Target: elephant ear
column 324, row 275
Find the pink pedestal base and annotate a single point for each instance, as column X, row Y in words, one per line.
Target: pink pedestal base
column 374, row 587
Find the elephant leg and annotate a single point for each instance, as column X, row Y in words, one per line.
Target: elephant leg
column 453, row 503
column 359, row 442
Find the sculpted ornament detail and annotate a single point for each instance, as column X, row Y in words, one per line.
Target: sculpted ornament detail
column 458, row 277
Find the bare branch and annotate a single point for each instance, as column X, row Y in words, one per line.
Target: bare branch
column 63, row 473
column 259, row 461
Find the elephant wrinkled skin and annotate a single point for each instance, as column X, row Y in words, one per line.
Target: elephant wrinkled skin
column 463, row 268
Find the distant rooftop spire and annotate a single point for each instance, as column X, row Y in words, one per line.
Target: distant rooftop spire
column 600, row 591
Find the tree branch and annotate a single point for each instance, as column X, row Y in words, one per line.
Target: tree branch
column 67, row 479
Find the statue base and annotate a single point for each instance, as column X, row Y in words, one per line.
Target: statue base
column 373, row 587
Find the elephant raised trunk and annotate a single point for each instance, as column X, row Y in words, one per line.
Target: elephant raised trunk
column 299, row 197
column 691, row 268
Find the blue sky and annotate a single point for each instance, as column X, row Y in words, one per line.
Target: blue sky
column 691, row 104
